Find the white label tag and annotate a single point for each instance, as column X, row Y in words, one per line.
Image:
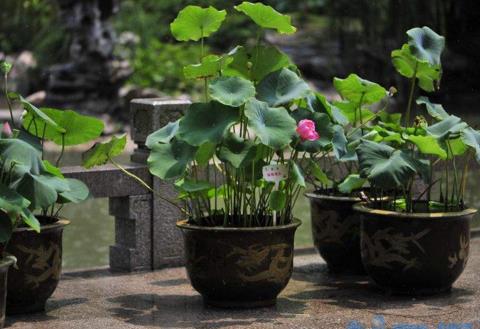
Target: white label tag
column 275, row 173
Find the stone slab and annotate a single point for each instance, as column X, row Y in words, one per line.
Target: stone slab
column 313, row 299
column 108, row 181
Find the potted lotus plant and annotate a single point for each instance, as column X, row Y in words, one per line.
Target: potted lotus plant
column 417, row 242
column 33, row 191
column 231, row 159
column 341, row 124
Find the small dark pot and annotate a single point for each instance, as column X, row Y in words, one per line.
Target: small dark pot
column 414, row 253
column 4, row 265
column 336, row 232
column 239, row 267
column 39, row 261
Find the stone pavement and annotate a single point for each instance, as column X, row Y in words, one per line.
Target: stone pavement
column 313, row 299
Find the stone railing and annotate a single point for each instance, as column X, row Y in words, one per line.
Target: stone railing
column 145, row 234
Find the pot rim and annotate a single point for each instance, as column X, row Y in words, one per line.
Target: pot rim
column 313, row 195
column 182, row 224
column 59, row 223
column 363, row 208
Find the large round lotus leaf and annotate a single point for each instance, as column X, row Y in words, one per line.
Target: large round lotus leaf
column 386, row 167
column 210, row 66
column 77, row 192
column 341, row 149
column 163, row 135
column 101, row 153
column 267, row 17
column 435, row 110
column 22, row 156
column 194, row 23
column 206, row 122
column 428, row 145
column 356, row 90
column 256, row 63
column 274, row 126
column 349, row 110
column 41, row 118
column 11, row 201
column 76, row 129
column 281, row 87
column 406, row 64
column 237, row 151
column 41, row 190
column 447, row 128
column 232, row 91
column 350, row 183
column 170, row 160
column 425, row 44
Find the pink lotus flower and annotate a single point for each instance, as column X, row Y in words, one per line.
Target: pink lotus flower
column 7, row 130
column 306, row 130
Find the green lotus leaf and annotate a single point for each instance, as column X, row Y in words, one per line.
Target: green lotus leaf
column 274, row 126
column 317, row 102
column 237, row 151
column 390, row 118
column 267, row 17
column 30, row 220
column 358, row 90
column 40, row 117
column 281, row 87
column 407, row 65
column 41, row 190
column 351, row 183
column 435, row 110
column 425, row 44
column 349, row 110
column 163, row 135
column 318, row 173
column 12, row 202
column 20, row 155
column 101, row 153
column 471, row 137
column 76, row 129
column 256, row 63
column 277, row 200
column 387, row 167
column 210, row 66
column 447, row 128
column 323, row 127
column 428, row 145
column 205, row 152
column 296, row 174
column 51, row 169
column 194, row 23
column 77, row 192
column 231, row 91
column 170, row 160
column 191, row 186
column 206, row 122
column 341, row 149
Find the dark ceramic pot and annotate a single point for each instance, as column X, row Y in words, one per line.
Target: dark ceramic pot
column 336, row 232
column 239, row 267
column 4, row 265
column 39, row 262
column 414, row 253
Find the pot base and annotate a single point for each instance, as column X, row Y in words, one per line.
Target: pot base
column 240, row 303
column 25, row 309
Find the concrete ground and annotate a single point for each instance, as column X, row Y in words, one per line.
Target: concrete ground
column 313, row 299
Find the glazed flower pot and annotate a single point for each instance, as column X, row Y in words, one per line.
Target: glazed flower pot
column 4, row 266
column 239, row 267
column 336, row 232
column 39, row 265
column 414, row 253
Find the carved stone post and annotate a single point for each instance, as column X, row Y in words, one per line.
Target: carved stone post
column 148, row 115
